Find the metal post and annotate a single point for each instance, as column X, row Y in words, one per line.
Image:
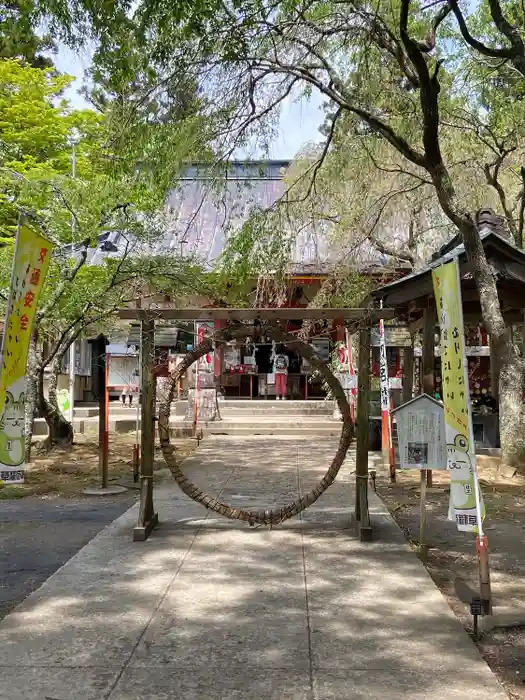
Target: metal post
column 422, row 512
column 136, row 446
column 105, row 446
column 72, row 358
column 103, row 426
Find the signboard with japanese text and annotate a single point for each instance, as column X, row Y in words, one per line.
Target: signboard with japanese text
column 393, row 383
column 30, row 265
column 395, row 336
column 466, row 502
column 386, row 425
column 421, row 434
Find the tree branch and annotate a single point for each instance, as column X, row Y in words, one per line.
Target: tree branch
column 315, row 167
column 430, row 43
column 507, row 29
column 491, row 171
column 387, row 250
column 515, row 52
column 428, row 94
column 385, row 39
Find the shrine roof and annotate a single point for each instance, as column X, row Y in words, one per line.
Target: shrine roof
column 506, row 260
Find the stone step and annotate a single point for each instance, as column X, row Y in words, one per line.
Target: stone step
column 281, row 409
column 270, row 402
column 323, row 430
column 85, row 412
column 227, row 407
column 263, row 425
column 274, row 408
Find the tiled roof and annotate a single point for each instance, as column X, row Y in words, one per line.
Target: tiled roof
column 209, row 202
column 452, row 251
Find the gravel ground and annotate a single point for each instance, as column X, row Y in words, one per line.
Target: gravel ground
column 38, row 535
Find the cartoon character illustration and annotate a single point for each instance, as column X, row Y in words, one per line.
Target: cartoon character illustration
column 12, row 444
column 459, row 461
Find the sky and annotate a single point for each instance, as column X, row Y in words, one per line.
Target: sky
column 299, row 123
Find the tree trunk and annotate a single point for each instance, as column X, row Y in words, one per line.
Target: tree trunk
column 511, row 365
column 60, row 430
column 511, row 392
column 31, row 404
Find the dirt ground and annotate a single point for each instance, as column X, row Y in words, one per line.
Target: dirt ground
column 66, row 473
column 452, row 562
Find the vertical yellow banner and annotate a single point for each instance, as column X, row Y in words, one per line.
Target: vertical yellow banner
column 30, row 265
column 466, row 502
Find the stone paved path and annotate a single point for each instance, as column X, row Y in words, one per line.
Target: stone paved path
column 209, row 609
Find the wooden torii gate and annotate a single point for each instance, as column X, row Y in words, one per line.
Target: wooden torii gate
column 357, row 320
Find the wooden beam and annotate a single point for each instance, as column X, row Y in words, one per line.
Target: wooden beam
column 371, row 316
column 415, row 305
column 362, row 515
column 148, row 519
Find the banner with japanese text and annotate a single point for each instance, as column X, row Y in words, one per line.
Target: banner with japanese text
column 30, row 265
column 383, row 373
column 466, row 502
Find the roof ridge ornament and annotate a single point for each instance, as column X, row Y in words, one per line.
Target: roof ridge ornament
column 487, row 218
